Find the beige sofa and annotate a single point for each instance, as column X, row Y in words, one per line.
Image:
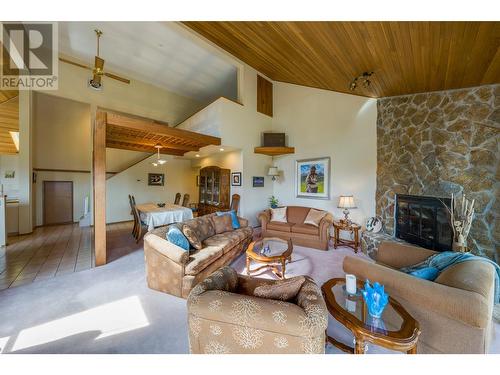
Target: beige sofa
column 295, row 229
column 171, row 269
column 224, row 317
column 454, row 311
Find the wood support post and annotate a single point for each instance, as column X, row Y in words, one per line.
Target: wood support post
column 99, row 175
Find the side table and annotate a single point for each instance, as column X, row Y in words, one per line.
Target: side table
column 352, row 228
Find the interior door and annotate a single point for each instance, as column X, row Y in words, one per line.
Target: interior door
column 57, row 202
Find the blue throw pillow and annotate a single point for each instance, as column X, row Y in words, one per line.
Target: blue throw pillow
column 428, row 273
column 175, row 236
column 234, row 218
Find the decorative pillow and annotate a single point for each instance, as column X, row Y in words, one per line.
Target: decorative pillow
column 283, row 290
column 278, row 214
column 314, row 217
column 175, row 236
column 192, row 237
column 223, row 223
column 427, row 273
column 234, row 218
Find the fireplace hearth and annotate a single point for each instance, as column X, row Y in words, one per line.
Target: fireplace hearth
column 424, row 221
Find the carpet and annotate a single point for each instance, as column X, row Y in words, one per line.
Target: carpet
column 110, row 309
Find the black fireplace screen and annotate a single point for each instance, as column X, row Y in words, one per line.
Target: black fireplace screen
column 424, row 221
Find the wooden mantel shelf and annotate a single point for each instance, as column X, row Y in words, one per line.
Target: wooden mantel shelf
column 274, row 151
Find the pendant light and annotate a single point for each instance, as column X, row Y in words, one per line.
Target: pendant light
column 159, row 161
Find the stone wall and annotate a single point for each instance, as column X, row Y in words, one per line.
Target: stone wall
column 438, row 143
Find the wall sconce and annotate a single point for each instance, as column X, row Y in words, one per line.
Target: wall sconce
column 274, row 173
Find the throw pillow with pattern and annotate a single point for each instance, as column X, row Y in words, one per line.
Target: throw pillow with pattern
column 192, row 237
column 283, row 290
column 222, row 224
column 314, row 217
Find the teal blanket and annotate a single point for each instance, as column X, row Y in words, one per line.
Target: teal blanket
column 447, row 259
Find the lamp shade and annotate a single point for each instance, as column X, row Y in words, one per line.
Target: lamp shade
column 273, row 171
column 346, row 201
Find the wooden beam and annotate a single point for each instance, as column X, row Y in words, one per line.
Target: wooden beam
column 141, row 148
column 99, row 176
column 113, row 137
column 150, row 126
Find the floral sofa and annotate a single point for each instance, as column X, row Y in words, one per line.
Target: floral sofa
column 173, row 270
column 225, row 317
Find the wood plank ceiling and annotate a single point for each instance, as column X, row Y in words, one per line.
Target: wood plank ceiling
column 128, row 132
column 9, row 120
column 407, row 57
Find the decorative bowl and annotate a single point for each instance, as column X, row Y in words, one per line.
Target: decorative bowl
column 376, row 298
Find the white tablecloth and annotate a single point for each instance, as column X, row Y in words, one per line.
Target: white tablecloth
column 154, row 216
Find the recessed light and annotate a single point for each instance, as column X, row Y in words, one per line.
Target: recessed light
column 197, row 155
column 221, row 149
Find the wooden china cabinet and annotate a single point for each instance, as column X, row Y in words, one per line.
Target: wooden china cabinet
column 214, row 190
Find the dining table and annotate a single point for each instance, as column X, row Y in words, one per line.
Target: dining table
column 154, row 216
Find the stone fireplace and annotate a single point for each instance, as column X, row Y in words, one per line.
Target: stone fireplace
column 438, row 143
column 424, row 221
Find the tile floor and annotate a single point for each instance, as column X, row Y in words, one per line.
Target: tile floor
column 57, row 250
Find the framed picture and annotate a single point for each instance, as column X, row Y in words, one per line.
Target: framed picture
column 236, row 179
column 258, row 181
column 10, row 174
column 156, row 179
column 312, row 178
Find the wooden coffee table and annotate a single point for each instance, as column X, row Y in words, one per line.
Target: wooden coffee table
column 280, row 251
column 342, row 226
column 396, row 329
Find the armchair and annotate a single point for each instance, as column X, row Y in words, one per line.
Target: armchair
column 225, row 317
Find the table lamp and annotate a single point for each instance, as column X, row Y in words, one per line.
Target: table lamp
column 346, row 202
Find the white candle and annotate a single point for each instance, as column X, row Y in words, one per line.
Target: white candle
column 350, row 283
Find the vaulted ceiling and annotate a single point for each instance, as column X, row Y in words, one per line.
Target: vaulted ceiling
column 407, row 57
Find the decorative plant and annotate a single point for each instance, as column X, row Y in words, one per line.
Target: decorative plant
column 273, row 201
column 461, row 215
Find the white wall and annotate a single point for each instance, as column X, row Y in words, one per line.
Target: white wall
column 10, row 185
column 180, row 177
column 138, row 98
column 324, row 123
column 240, row 126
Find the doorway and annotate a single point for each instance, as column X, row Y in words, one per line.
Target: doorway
column 57, row 202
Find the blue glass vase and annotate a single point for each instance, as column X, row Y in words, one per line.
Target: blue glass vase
column 376, row 298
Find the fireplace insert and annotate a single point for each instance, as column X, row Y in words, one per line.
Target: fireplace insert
column 424, row 221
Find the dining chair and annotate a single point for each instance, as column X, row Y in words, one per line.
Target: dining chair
column 131, row 202
column 177, row 198
column 140, row 227
column 185, row 200
column 235, row 202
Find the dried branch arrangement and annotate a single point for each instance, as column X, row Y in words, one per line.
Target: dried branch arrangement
column 461, row 216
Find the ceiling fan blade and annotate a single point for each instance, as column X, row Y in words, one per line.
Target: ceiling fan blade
column 74, row 63
column 99, row 63
column 118, row 78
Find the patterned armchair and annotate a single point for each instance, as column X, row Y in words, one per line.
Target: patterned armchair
column 225, row 317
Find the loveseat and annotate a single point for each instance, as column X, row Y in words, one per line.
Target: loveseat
column 454, row 311
column 173, row 270
column 295, row 229
column 225, row 317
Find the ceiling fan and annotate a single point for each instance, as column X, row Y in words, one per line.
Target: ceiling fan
column 98, row 70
